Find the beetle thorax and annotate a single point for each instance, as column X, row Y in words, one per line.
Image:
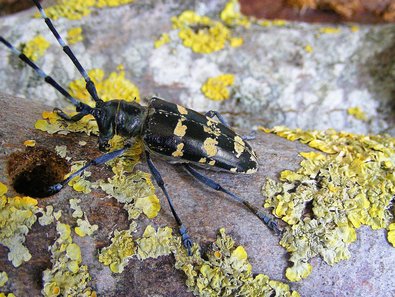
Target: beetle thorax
column 120, row 117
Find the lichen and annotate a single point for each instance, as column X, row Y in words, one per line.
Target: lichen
column 74, row 35
column 348, row 185
column 35, row 48
column 216, row 88
column 114, row 86
column 80, row 183
column 329, row 30
column 391, row 234
column 29, row 143
column 135, row 191
column 47, row 216
column 308, row 48
column 202, row 34
column 226, row 271
column 17, row 215
column 357, row 113
column 232, row 16
column 121, row 249
column 3, row 278
column 67, row 277
column 7, row 295
column 84, row 227
column 154, row 244
column 76, row 9
column 163, row 39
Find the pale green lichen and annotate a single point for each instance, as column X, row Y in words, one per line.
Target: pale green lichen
column 17, row 215
column 84, row 227
column 3, row 278
column 135, row 191
column 61, row 150
column 121, row 249
column 349, row 186
column 154, row 244
column 67, row 277
column 47, row 216
column 225, row 271
column 74, row 205
column 7, row 295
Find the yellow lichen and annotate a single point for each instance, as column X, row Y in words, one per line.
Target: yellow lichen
column 8, row 295
column 330, row 30
column 76, row 9
column 154, row 244
column 200, row 33
column 80, row 183
column 231, row 15
column 225, row 271
column 163, row 39
column 349, row 186
column 29, row 143
column 35, row 48
column 357, row 113
column 74, row 35
column 121, row 249
column 216, row 88
column 17, row 215
column 391, row 234
column 67, row 277
column 115, row 86
column 308, row 48
column 270, row 23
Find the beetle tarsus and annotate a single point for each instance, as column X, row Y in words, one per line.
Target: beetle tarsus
column 186, row 240
column 270, row 222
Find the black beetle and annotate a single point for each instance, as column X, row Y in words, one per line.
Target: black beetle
column 171, row 131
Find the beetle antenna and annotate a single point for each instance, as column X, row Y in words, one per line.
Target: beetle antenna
column 42, row 74
column 90, row 86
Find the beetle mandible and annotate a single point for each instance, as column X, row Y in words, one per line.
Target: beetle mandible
column 168, row 130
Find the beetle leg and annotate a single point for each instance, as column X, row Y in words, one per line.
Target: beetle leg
column 266, row 219
column 214, row 113
column 66, row 117
column 96, row 162
column 186, row 240
column 250, row 136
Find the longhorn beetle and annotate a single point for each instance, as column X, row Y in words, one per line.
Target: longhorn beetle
column 168, row 130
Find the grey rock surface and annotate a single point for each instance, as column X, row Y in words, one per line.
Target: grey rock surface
column 278, row 82
column 370, row 271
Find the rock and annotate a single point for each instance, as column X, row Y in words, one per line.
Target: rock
column 370, row 271
column 300, row 75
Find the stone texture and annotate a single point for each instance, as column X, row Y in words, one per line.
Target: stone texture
column 368, row 273
column 278, row 82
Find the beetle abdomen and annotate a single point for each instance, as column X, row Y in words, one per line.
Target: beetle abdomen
column 185, row 135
